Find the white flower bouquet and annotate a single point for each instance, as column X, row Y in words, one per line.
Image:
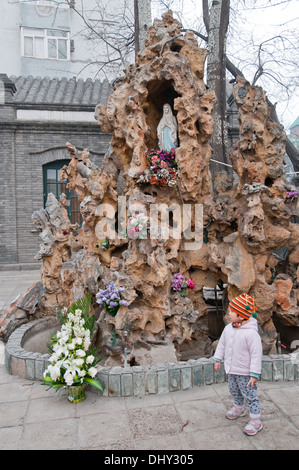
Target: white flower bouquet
column 73, row 359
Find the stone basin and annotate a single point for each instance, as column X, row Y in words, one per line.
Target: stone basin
column 38, row 336
column 25, row 357
column 26, row 351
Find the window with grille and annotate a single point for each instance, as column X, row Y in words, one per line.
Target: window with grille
column 52, row 184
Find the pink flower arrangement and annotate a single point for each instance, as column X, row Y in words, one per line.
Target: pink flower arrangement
column 180, row 284
column 161, row 169
column 190, row 284
column 137, row 226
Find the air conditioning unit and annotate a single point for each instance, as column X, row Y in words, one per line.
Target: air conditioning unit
column 47, row 3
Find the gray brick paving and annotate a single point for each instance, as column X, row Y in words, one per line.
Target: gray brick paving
column 33, row 418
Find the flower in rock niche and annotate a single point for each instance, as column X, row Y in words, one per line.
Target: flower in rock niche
column 292, row 195
column 111, row 297
column 103, row 244
column 177, row 282
column 190, row 284
column 153, row 180
column 137, row 226
column 180, row 284
column 133, row 233
column 164, row 182
column 161, row 169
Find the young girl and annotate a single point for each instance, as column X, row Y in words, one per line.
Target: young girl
column 241, row 348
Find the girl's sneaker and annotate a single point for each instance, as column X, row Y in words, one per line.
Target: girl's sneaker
column 235, row 412
column 253, row 427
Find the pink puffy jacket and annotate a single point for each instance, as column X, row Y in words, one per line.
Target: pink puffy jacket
column 241, row 349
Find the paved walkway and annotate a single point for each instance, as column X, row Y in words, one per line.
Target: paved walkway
column 13, row 283
column 32, row 417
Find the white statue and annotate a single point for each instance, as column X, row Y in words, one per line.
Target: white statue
column 167, row 130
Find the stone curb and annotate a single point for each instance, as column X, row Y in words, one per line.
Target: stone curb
column 23, row 363
column 170, row 377
column 140, row 380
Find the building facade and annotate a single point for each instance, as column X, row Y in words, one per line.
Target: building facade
column 37, row 118
column 42, row 106
column 51, row 38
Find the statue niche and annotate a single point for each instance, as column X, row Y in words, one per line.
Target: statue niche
column 167, row 130
column 160, row 92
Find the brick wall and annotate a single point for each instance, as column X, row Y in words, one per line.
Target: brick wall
column 25, row 148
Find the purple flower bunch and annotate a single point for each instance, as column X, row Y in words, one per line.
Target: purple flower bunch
column 292, row 195
column 111, row 298
column 178, row 282
column 181, row 284
column 157, row 157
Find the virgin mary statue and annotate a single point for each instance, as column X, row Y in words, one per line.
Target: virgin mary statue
column 167, row 130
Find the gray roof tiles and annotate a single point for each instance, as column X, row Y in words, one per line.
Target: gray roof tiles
column 60, row 91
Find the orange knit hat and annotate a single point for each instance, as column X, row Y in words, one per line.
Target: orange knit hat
column 243, row 305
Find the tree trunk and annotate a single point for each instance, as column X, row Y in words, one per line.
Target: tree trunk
column 217, row 23
column 143, row 20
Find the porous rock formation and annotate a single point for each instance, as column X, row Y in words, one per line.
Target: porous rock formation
column 244, row 225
